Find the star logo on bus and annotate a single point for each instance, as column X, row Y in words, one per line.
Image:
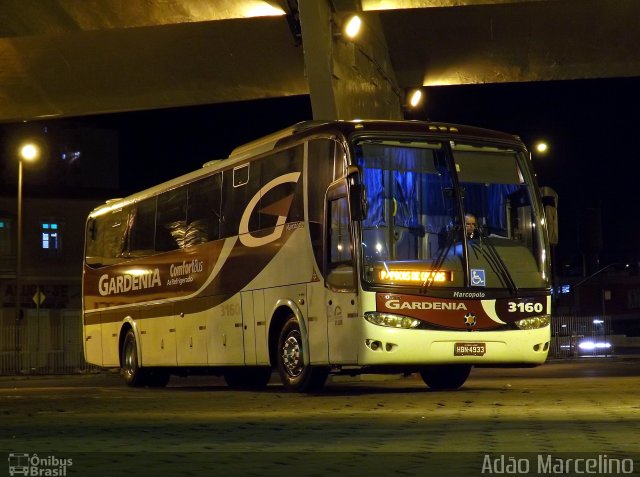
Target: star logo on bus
column 470, row 320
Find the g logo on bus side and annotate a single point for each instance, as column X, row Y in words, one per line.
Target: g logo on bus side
column 245, row 236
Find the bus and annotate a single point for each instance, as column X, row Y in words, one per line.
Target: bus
column 330, row 247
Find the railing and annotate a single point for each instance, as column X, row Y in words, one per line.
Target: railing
column 43, row 342
column 573, row 336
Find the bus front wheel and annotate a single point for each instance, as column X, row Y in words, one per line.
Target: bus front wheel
column 294, row 373
column 132, row 373
column 444, row 376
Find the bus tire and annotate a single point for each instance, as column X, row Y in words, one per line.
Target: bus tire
column 131, row 371
column 294, row 373
column 445, row 376
column 251, row 377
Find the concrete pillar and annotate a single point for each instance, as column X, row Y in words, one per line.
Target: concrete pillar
column 348, row 79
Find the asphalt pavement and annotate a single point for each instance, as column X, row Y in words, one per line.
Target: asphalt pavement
column 535, row 419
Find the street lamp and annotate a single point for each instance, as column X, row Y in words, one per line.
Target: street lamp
column 415, row 98
column 542, row 147
column 352, row 27
column 28, row 152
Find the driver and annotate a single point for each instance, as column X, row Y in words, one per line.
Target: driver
column 470, row 225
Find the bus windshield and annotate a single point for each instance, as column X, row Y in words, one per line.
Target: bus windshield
column 420, row 193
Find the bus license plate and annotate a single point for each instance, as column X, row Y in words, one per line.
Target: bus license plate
column 469, row 349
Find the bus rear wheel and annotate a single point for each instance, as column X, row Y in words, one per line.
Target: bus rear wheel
column 294, row 373
column 247, row 378
column 131, row 371
column 446, row 376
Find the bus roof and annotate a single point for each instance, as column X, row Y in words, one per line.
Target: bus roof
column 348, row 128
column 303, row 129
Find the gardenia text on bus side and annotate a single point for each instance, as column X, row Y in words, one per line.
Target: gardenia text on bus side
column 128, row 282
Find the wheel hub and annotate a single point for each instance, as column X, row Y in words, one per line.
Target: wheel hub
column 129, row 359
column 291, row 356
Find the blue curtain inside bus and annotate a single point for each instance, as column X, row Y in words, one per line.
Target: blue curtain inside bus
column 399, row 175
column 408, row 179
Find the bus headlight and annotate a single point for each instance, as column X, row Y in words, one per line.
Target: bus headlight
column 390, row 320
column 534, row 322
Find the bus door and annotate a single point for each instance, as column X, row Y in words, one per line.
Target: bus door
column 340, row 283
column 225, row 333
column 256, row 351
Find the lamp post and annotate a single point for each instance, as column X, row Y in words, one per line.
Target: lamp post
column 541, row 148
column 28, row 152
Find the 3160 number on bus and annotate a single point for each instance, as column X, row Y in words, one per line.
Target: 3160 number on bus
column 525, row 307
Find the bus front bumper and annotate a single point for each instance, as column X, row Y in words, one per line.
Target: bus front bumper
column 389, row 346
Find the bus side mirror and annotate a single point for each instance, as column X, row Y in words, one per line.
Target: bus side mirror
column 550, row 202
column 358, row 202
column 357, row 194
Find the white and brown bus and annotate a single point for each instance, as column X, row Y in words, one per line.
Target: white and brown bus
column 328, row 247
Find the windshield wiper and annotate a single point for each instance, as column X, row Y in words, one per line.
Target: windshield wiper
column 497, row 263
column 450, row 240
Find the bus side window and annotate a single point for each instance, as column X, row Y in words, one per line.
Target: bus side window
column 95, row 245
column 340, row 258
column 141, row 229
column 321, row 165
column 110, row 238
column 321, row 174
column 239, row 185
column 171, row 220
column 106, row 239
column 273, row 167
column 203, row 211
column 339, row 163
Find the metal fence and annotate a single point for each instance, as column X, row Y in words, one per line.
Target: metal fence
column 573, row 336
column 43, row 342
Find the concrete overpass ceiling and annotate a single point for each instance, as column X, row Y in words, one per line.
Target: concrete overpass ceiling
column 40, row 17
column 371, row 5
column 511, row 41
column 70, row 57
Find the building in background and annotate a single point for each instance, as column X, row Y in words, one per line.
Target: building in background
column 599, row 314
column 78, row 172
